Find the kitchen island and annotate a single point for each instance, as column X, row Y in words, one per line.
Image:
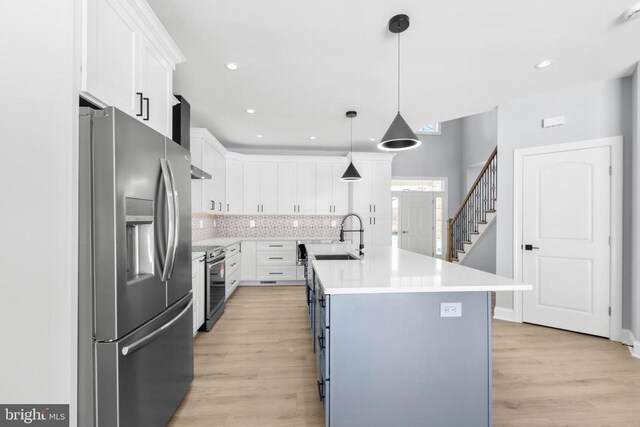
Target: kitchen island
column 401, row 338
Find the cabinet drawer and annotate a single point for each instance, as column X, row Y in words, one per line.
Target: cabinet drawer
column 277, row 272
column 233, row 250
column 231, row 282
column 289, row 245
column 287, row 258
column 232, row 263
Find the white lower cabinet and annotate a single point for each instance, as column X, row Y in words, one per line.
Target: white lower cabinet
column 248, row 254
column 198, row 284
column 232, row 264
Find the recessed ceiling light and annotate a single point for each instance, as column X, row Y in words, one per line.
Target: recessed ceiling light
column 258, row 136
column 544, row 64
column 312, row 137
column 231, row 66
column 251, row 111
column 372, row 139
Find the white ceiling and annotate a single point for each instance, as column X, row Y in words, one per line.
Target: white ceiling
column 303, row 64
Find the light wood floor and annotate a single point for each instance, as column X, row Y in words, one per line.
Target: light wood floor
column 256, row 368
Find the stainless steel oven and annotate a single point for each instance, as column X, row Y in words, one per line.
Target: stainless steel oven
column 214, row 286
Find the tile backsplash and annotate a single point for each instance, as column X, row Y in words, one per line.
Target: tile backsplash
column 205, row 226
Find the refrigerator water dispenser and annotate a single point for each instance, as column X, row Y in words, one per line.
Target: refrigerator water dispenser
column 140, row 239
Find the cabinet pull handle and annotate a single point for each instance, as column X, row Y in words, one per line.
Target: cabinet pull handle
column 233, row 264
column 369, row 208
column 140, row 99
column 227, row 207
column 321, row 302
column 213, row 205
column 374, row 208
column 275, row 246
column 374, row 220
column 258, row 207
column 321, row 390
column 220, row 204
column 369, row 220
column 321, row 342
column 273, row 257
column 274, row 273
column 146, row 100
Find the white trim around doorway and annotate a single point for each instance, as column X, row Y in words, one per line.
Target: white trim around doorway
column 615, row 296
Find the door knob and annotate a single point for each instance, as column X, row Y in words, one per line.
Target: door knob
column 404, row 232
column 530, row 247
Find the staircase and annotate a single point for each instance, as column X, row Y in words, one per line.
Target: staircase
column 476, row 213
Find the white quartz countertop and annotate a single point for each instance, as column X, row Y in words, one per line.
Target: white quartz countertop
column 393, row 270
column 226, row 241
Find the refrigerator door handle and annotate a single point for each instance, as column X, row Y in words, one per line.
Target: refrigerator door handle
column 176, row 222
column 138, row 344
column 168, row 187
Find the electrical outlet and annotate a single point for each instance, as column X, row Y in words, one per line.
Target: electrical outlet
column 295, row 224
column 450, row 309
column 201, row 224
column 252, row 224
column 334, row 224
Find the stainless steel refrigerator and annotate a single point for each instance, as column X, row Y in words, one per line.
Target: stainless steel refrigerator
column 135, row 343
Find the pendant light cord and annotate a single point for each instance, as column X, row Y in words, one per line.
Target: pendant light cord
column 398, row 72
column 351, row 119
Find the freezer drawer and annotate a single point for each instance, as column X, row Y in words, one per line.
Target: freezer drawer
column 143, row 377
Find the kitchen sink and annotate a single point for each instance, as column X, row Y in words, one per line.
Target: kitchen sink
column 336, row 257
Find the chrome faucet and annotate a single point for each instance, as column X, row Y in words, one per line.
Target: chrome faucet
column 361, row 231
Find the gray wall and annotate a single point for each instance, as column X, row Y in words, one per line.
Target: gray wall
column 479, row 138
column 438, row 156
column 483, row 254
column 595, row 110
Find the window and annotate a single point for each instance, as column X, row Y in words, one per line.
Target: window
column 417, row 185
column 430, row 129
column 439, row 226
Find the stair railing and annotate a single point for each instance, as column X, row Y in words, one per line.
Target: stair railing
column 480, row 200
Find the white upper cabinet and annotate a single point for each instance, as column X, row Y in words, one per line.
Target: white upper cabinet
column 372, row 195
column 261, row 187
column 332, row 195
column 128, row 59
column 296, row 188
column 208, row 195
column 156, row 86
column 235, row 185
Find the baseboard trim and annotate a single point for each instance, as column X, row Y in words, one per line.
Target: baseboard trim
column 502, row 313
column 630, row 340
column 282, row 283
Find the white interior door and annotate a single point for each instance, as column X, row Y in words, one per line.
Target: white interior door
column 565, row 233
column 417, row 225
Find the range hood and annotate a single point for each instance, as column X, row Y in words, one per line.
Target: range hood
column 197, row 173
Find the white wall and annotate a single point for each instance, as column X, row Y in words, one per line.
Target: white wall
column 595, row 110
column 39, row 208
column 437, row 156
column 632, row 300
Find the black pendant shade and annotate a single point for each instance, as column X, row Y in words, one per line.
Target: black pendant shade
column 351, row 174
column 399, row 136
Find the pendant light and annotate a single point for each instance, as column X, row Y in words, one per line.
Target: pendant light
column 351, row 174
column 399, row 136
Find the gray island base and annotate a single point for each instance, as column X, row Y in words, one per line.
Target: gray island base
column 393, row 361
column 401, row 339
